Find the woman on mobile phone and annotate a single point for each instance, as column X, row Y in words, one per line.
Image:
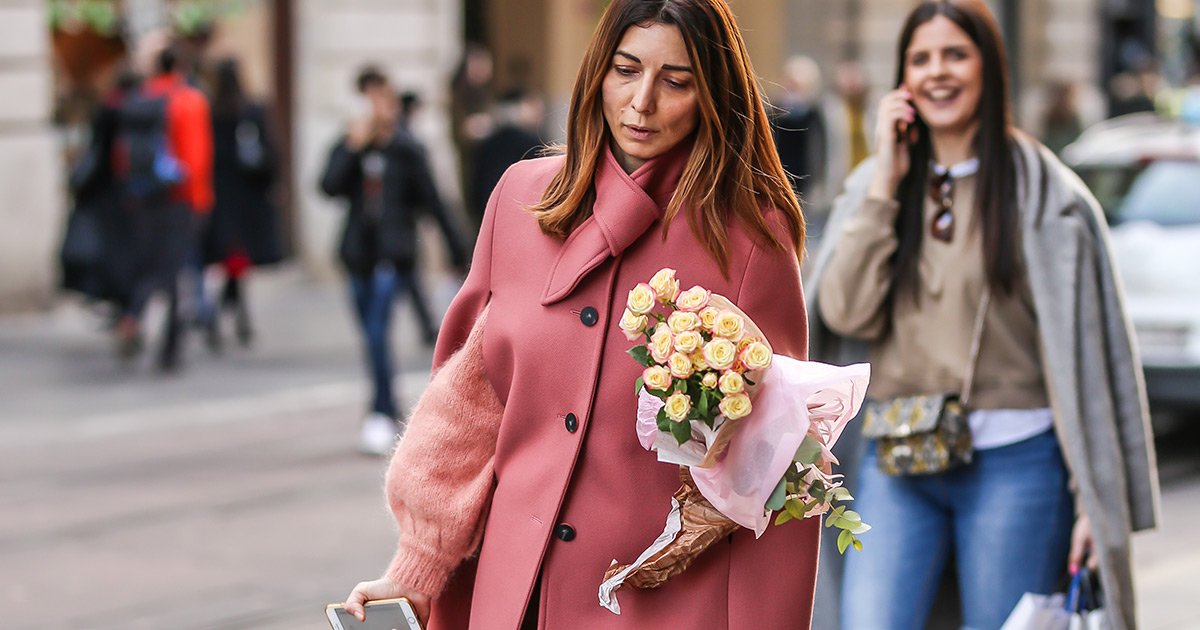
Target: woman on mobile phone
column 669, row 161
column 972, row 262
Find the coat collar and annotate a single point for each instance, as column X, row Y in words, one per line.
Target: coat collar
column 626, row 206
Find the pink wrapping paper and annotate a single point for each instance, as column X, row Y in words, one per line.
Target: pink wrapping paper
column 791, row 396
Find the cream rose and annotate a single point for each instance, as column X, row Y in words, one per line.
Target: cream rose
column 708, row 317
column 632, row 325
column 679, row 321
column 688, row 342
column 693, row 300
column 729, row 325
column 732, row 383
column 720, row 353
column 735, row 406
column 665, row 285
column 661, row 344
column 656, row 377
column 641, row 299
column 710, row 380
column 756, row 356
column 680, row 365
column 698, row 361
column 677, row 407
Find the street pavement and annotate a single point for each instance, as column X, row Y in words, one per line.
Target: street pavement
column 230, row 496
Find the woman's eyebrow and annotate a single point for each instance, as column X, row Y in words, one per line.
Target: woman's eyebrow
column 665, row 66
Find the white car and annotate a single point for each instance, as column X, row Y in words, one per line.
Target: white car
column 1145, row 171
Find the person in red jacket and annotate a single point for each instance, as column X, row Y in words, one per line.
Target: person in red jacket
column 168, row 194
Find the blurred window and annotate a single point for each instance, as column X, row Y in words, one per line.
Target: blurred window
column 1164, row 192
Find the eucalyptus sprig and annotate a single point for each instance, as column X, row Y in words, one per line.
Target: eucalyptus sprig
column 805, row 489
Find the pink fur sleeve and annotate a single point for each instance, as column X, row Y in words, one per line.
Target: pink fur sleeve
column 440, row 478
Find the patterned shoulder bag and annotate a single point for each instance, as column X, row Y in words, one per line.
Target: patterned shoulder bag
column 929, row 433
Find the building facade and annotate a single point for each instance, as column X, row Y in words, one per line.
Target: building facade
column 31, row 197
column 317, row 47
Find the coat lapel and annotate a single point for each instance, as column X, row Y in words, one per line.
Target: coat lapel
column 626, row 206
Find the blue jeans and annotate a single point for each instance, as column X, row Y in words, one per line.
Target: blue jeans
column 1006, row 517
column 373, row 298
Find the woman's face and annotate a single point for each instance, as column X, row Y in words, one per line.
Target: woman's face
column 943, row 70
column 649, row 94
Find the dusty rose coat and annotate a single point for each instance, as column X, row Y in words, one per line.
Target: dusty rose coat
column 567, row 452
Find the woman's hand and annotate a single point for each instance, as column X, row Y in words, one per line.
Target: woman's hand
column 892, row 137
column 1082, row 545
column 384, row 588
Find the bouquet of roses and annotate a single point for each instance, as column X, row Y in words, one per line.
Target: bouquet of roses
column 752, row 431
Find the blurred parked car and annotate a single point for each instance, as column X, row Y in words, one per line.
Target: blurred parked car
column 1145, row 170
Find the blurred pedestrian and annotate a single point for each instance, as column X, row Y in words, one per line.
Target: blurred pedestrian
column 97, row 255
column 1129, row 94
column 516, row 136
column 244, row 230
column 1061, row 123
column 381, row 171
column 799, row 127
column 470, row 107
column 163, row 164
column 526, row 440
column 975, row 264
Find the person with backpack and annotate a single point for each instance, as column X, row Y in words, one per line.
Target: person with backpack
column 381, row 171
column 162, row 161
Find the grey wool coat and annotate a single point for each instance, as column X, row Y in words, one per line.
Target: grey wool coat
column 1093, row 373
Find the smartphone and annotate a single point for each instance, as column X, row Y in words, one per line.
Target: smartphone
column 384, row 614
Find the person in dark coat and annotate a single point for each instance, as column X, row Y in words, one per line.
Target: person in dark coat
column 96, row 257
column 380, row 169
column 799, row 127
column 244, row 230
column 518, row 119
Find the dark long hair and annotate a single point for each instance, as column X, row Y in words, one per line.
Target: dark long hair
column 733, row 170
column 228, row 96
column 996, row 189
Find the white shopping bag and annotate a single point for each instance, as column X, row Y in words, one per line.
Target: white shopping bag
column 1040, row 612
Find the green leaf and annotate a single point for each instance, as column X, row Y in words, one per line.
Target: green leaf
column 844, row 540
column 852, row 518
column 840, row 493
column 795, row 508
column 682, row 431
column 782, row 517
column 778, row 496
column 637, row 386
column 641, row 354
column 809, row 451
column 663, row 422
column 861, row 529
column 702, row 406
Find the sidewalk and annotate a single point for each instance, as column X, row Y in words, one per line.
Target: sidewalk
column 59, row 366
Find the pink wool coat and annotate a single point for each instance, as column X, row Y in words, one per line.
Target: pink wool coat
column 560, row 487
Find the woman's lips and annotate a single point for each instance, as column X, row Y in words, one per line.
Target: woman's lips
column 639, row 133
column 939, row 96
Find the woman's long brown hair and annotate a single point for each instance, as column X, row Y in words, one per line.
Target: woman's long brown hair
column 733, row 171
column 996, row 189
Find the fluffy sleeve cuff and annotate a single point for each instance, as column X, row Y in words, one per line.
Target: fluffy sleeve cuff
column 440, row 478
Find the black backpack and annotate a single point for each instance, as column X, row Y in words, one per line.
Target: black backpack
column 145, row 168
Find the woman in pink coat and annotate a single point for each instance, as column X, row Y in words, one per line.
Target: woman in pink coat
column 521, row 478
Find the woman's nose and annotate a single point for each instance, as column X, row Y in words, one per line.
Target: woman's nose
column 643, row 97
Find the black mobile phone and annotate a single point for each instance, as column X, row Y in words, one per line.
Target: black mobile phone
column 384, row 614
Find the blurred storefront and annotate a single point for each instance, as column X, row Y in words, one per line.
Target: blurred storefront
column 302, row 55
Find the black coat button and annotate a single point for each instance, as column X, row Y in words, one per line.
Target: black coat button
column 589, row 316
column 565, row 532
column 571, row 422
